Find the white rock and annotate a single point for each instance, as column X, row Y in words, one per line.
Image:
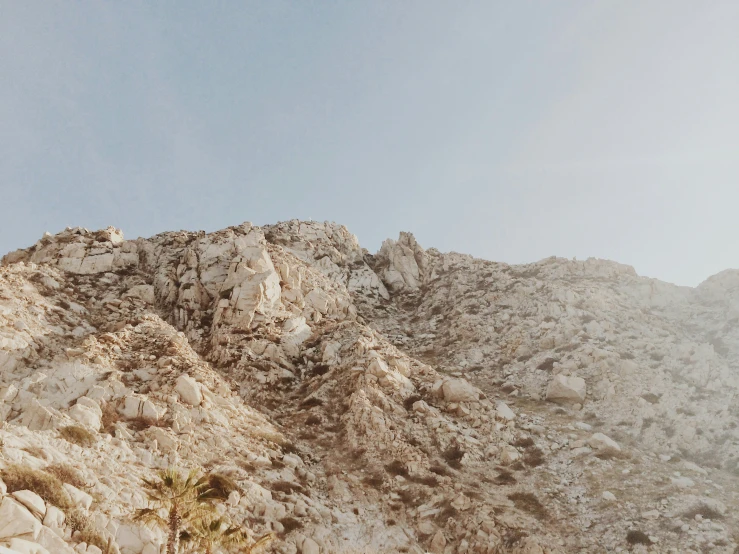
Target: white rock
column 17, row 521
column 566, row 389
column 504, row 412
column 459, row 390
column 508, row 455
column 26, row 547
column 79, row 498
column 144, row 292
column 599, row 441
column 609, row 496
column 682, row 482
column 54, row 517
column 53, row 542
column 310, row 546
column 32, row 501
column 85, row 415
column 189, row 390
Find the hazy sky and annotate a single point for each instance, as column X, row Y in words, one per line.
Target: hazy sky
column 511, row 130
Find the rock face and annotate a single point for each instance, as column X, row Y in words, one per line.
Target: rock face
column 410, row 401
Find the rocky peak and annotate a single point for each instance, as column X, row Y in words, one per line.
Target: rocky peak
column 410, row 401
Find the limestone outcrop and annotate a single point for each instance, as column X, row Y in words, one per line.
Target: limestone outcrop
column 406, row 401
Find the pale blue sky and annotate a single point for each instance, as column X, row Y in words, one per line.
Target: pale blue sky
column 511, row 130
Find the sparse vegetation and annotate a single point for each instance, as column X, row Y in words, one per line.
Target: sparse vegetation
column 210, row 533
column 638, row 537
column 528, row 502
column 185, row 500
column 534, row 457
column 67, row 474
column 47, row 486
column 703, row 510
column 396, row 467
column 78, row 435
column 547, row 365
column 290, row 524
column 222, row 485
column 408, row 402
column 376, row 481
column 84, row 529
column 453, row 456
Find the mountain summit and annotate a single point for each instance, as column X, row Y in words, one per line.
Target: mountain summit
column 343, row 402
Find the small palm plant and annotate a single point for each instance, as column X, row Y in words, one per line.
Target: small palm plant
column 209, row 533
column 184, row 499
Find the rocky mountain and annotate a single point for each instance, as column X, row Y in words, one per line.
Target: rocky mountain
column 406, row 401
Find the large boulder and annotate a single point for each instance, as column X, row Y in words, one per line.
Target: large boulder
column 602, row 442
column 189, row 390
column 459, row 390
column 564, row 389
column 32, row 501
column 17, row 521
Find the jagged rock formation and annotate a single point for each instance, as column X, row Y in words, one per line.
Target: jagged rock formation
column 410, row 401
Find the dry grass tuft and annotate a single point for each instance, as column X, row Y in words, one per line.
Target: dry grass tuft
column 110, row 418
column 376, row 481
column 67, row 474
column 47, row 486
column 222, row 484
column 702, row 509
column 84, row 529
column 529, row 503
column 290, row 524
column 534, row 457
column 453, row 456
column 638, row 537
column 78, row 435
column 396, row 467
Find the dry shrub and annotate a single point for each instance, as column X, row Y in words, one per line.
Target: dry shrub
column 453, row 456
column 140, row 423
column 67, row 474
column 408, row 402
column 320, row 369
column 222, row 484
column 534, row 457
column 447, row 511
column 523, row 442
column 376, row 481
column 47, row 486
column 286, row 487
column 78, row 435
column 35, row 451
column 396, row 467
column 291, row 524
column 704, row 510
column 612, row 454
column 505, row 478
column 547, row 365
column 79, row 522
column 429, row 480
column 409, row 497
column 313, row 420
column 439, row 469
column 110, row 418
column 638, row 537
column 528, row 502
